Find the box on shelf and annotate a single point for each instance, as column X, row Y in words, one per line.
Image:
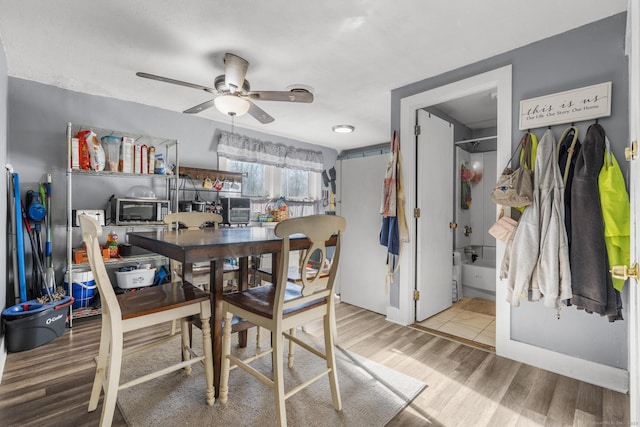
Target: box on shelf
column 139, row 278
column 80, row 255
column 126, row 155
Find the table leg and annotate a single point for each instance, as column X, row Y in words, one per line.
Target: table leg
column 216, row 280
column 243, row 285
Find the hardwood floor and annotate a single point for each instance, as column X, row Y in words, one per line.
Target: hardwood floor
column 50, row 385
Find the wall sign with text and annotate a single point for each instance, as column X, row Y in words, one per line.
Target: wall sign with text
column 575, row 105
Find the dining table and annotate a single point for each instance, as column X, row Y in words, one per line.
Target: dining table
column 216, row 245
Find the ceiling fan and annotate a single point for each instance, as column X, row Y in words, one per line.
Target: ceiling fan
column 232, row 92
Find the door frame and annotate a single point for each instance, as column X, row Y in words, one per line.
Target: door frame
column 633, row 20
column 499, row 80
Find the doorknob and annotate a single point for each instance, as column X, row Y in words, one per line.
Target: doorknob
column 453, row 225
column 623, row 272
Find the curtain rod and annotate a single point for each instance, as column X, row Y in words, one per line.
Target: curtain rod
column 476, row 139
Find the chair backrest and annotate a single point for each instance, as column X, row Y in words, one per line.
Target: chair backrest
column 318, row 229
column 193, row 220
column 91, row 232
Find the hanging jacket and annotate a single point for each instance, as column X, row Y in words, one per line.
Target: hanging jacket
column 616, row 212
column 568, row 150
column 551, row 281
column 537, row 257
column 592, row 285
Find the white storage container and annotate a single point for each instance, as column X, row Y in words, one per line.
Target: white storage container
column 135, row 278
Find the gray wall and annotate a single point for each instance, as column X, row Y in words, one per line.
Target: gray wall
column 3, row 190
column 585, row 56
column 38, row 116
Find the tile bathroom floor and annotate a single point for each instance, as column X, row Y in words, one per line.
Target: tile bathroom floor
column 471, row 321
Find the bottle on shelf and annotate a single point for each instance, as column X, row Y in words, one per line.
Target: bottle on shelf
column 112, row 244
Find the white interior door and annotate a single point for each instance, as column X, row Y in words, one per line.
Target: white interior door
column 634, row 184
column 363, row 266
column 434, row 242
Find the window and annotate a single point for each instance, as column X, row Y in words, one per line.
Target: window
column 253, row 184
column 272, row 181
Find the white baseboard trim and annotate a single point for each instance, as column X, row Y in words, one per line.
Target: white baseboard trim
column 583, row 370
column 395, row 315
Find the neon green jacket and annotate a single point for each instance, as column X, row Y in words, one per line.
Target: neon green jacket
column 616, row 212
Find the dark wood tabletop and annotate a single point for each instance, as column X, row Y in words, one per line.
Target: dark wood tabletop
column 214, row 245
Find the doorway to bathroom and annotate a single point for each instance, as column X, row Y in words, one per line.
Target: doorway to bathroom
column 457, row 143
column 414, row 288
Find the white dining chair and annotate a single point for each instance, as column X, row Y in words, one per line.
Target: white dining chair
column 284, row 306
column 140, row 309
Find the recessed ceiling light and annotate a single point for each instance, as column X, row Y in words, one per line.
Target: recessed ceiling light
column 343, row 128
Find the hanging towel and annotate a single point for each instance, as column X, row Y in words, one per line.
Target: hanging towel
column 568, row 150
column 616, row 212
column 592, row 285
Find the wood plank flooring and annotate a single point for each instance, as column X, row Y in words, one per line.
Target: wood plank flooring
column 50, row 385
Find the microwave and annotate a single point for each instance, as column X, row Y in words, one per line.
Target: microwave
column 235, row 210
column 138, row 211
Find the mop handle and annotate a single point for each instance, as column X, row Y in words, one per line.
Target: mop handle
column 22, row 281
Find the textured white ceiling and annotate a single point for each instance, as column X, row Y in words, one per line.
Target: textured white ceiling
column 351, row 52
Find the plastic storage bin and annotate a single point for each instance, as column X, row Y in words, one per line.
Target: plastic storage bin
column 111, row 146
column 139, row 278
column 30, row 324
column 83, row 288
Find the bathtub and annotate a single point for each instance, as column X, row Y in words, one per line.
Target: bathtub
column 479, row 276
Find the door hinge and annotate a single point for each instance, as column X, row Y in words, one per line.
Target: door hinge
column 630, row 153
column 416, row 213
column 416, row 295
column 453, row 225
column 416, row 130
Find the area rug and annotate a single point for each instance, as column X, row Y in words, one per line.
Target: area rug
column 372, row 394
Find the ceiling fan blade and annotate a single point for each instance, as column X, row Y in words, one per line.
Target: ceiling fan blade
column 235, row 70
column 176, row 82
column 200, row 107
column 258, row 113
column 292, row 96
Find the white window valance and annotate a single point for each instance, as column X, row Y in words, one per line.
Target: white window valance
column 245, row 149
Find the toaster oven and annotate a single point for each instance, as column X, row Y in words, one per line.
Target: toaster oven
column 235, row 210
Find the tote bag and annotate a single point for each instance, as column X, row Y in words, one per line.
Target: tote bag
column 515, row 186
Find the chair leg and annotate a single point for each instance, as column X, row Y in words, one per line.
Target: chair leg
column 208, row 358
column 112, row 382
column 101, row 367
column 292, row 345
column 258, row 336
column 226, row 350
column 186, row 343
column 329, row 326
column 278, row 376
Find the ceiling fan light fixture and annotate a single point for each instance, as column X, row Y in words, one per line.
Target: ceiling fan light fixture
column 231, row 105
column 343, row 128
